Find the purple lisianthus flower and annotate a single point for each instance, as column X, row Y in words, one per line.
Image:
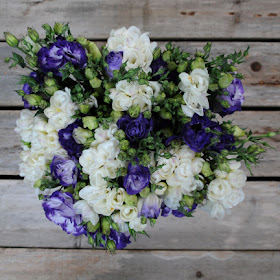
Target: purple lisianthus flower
column 150, row 206
column 65, row 170
column 59, row 209
column 156, row 65
column 225, row 143
column 233, row 94
column 68, row 142
column 136, row 179
column 135, row 128
column 165, row 211
column 114, row 60
column 59, row 53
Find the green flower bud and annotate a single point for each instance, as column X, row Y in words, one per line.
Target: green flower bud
column 130, row 199
column 115, row 226
column 224, row 166
column 11, row 40
column 111, row 246
column 116, row 115
column 81, row 135
column 107, row 99
column 171, row 65
column 50, row 81
column 37, row 184
column 33, row 34
column 255, row 149
column 171, row 88
column 213, row 87
column 69, row 190
column 238, row 132
column 156, row 109
column 182, row 67
column 176, row 143
column 58, row 28
column 145, row 160
column 156, row 53
column 70, row 38
column 82, row 40
column 271, row 134
column 51, row 89
column 123, row 171
column 105, row 225
column 166, row 55
column 206, row 169
column 89, row 73
column 224, row 152
column 134, row 111
column 124, row 145
column 147, row 114
column 84, row 108
column 92, row 228
column 188, row 200
column 198, row 63
column 168, row 46
column 232, row 68
column 131, row 152
column 119, row 134
column 47, row 27
column 33, row 99
column 90, row 122
column 143, row 220
column 43, row 104
column 179, row 98
column 199, row 54
column 167, row 132
column 7, row 59
column 145, row 192
column 94, row 51
column 165, row 114
column 225, row 104
column 225, row 80
column 32, row 61
column 95, row 82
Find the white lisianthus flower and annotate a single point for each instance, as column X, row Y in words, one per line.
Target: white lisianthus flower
column 81, row 135
column 161, row 191
column 197, row 164
column 136, row 47
column 123, row 226
column 184, row 171
column 115, row 198
column 172, row 197
column 128, row 213
column 101, row 135
column 218, row 190
column 220, row 174
column 214, row 209
column 185, row 152
column 127, row 94
column 234, row 165
column 237, row 178
column 87, row 212
column 195, row 88
column 137, row 225
column 25, row 124
column 234, row 199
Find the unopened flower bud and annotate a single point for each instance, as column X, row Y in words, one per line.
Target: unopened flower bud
column 206, row 169
column 130, row 199
column 171, row 65
column 147, row 114
column 95, row 82
column 32, row 61
column 131, row 152
column 232, row 68
column 51, row 89
column 271, row 134
column 58, row 28
column 165, row 114
column 182, row 67
column 37, row 184
column 105, row 225
column 94, row 51
column 213, row 87
column 238, row 132
column 119, row 134
column 188, row 201
column 90, row 122
column 134, row 111
column 70, row 38
column 111, row 246
column 166, row 55
column 33, row 99
column 92, row 228
column 224, row 166
column 198, row 63
column 11, row 40
column 49, row 81
column 179, row 98
column 145, row 192
column 199, row 54
column 156, row 53
column 255, row 149
column 124, row 145
column 82, row 41
column 145, row 160
column 143, row 220
column 84, row 108
column 89, row 73
column 116, row 115
column 225, row 80
column 161, row 96
column 33, row 34
column 167, row 132
column 176, row 143
column 156, row 109
column 81, row 135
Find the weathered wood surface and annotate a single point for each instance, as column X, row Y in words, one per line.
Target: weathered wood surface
column 256, row 19
column 254, row 224
column 49, row 264
column 262, row 80
column 258, row 121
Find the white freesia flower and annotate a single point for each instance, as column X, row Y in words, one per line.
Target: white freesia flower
column 128, row 213
column 195, row 88
column 237, row 178
column 87, row 212
column 136, row 47
column 127, row 94
column 172, row 197
column 218, row 190
column 137, row 225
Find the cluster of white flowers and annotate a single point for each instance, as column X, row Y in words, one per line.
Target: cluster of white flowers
column 127, row 94
column 195, row 86
column 136, row 47
column 225, row 191
column 179, row 172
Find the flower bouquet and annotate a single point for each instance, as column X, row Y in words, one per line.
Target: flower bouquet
column 116, row 136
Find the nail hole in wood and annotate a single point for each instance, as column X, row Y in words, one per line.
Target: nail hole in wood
column 256, row 66
column 199, row 274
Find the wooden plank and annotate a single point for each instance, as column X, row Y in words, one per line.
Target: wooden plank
column 253, row 225
column 48, row 264
column 163, row 18
column 262, row 87
column 258, row 121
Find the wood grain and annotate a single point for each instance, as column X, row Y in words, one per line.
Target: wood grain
column 261, row 87
column 157, row 265
column 258, row 121
column 253, row 225
column 162, row 18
